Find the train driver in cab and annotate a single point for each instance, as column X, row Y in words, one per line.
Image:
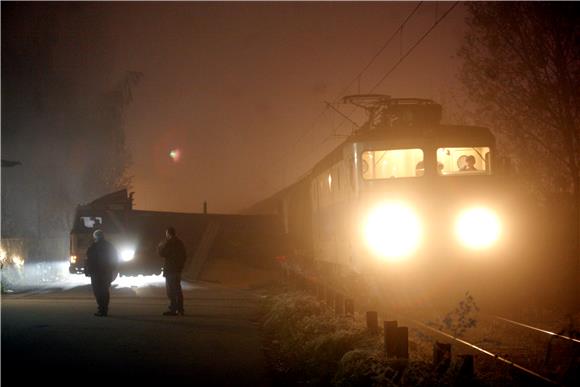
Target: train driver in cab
column 467, row 163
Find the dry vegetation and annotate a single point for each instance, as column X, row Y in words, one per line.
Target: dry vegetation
column 308, row 344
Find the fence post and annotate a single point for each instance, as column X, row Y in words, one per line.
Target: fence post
column 402, row 343
column 467, row 367
column 373, row 322
column 390, row 331
column 311, row 285
column 329, row 297
column 301, row 281
column 349, row 307
column 441, row 356
column 339, row 305
column 320, row 292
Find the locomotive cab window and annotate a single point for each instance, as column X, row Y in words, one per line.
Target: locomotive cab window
column 464, row 161
column 387, row 164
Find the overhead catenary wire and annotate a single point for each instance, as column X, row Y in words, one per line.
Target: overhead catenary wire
column 410, row 50
column 398, row 31
column 357, row 77
column 403, row 57
column 379, row 52
column 385, row 76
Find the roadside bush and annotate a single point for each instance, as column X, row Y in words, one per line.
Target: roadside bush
column 363, row 368
column 310, row 339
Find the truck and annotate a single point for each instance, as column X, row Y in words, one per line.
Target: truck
column 137, row 233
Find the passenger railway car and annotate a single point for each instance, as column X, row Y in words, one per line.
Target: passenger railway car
column 404, row 190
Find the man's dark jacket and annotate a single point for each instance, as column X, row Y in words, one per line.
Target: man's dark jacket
column 102, row 260
column 173, row 251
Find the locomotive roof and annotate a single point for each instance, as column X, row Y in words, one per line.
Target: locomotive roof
column 443, row 132
column 432, row 135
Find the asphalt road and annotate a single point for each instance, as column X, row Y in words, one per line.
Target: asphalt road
column 53, row 339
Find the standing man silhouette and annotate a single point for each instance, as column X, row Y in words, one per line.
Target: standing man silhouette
column 173, row 250
column 101, row 266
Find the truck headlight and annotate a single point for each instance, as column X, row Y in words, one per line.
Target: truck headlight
column 127, row 254
column 478, row 228
column 393, row 231
column 17, row 260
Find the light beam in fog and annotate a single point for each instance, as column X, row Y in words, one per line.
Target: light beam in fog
column 55, row 275
column 393, row 231
column 478, row 228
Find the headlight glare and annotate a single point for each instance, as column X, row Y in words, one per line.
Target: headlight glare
column 393, row 231
column 127, row 254
column 478, row 228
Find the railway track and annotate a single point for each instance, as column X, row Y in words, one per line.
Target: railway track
column 542, row 356
column 545, row 331
column 479, row 349
column 545, row 356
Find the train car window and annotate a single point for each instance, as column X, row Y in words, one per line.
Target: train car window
column 464, row 161
column 387, row 164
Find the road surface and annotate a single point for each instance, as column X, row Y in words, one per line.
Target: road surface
column 53, row 338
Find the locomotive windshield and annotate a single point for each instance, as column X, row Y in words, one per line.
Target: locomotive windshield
column 386, row 164
column 464, row 161
column 451, row 161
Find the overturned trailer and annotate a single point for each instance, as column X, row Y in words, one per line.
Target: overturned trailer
column 137, row 233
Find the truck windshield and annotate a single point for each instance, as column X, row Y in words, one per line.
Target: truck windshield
column 89, row 221
column 392, row 163
column 464, row 161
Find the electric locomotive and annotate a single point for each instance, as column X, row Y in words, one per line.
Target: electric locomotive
column 402, row 191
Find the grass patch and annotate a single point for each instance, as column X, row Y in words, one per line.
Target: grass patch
column 307, row 344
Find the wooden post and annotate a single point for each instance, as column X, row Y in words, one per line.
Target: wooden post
column 441, row 356
column 329, row 297
column 390, row 331
column 373, row 322
column 349, row 307
column 339, row 305
column 467, row 367
column 320, row 291
column 402, row 343
column 300, row 280
column 311, row 284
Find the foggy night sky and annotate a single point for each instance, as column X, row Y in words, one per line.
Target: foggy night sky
column 235, row 85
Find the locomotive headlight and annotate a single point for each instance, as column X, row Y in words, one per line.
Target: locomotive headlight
column 127, row 254
column 73, row 259
column 478, row 228
column 393, row 231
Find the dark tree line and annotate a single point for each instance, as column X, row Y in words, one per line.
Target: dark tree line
column 522, row 67
column 62, row 116
column 522, row 72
